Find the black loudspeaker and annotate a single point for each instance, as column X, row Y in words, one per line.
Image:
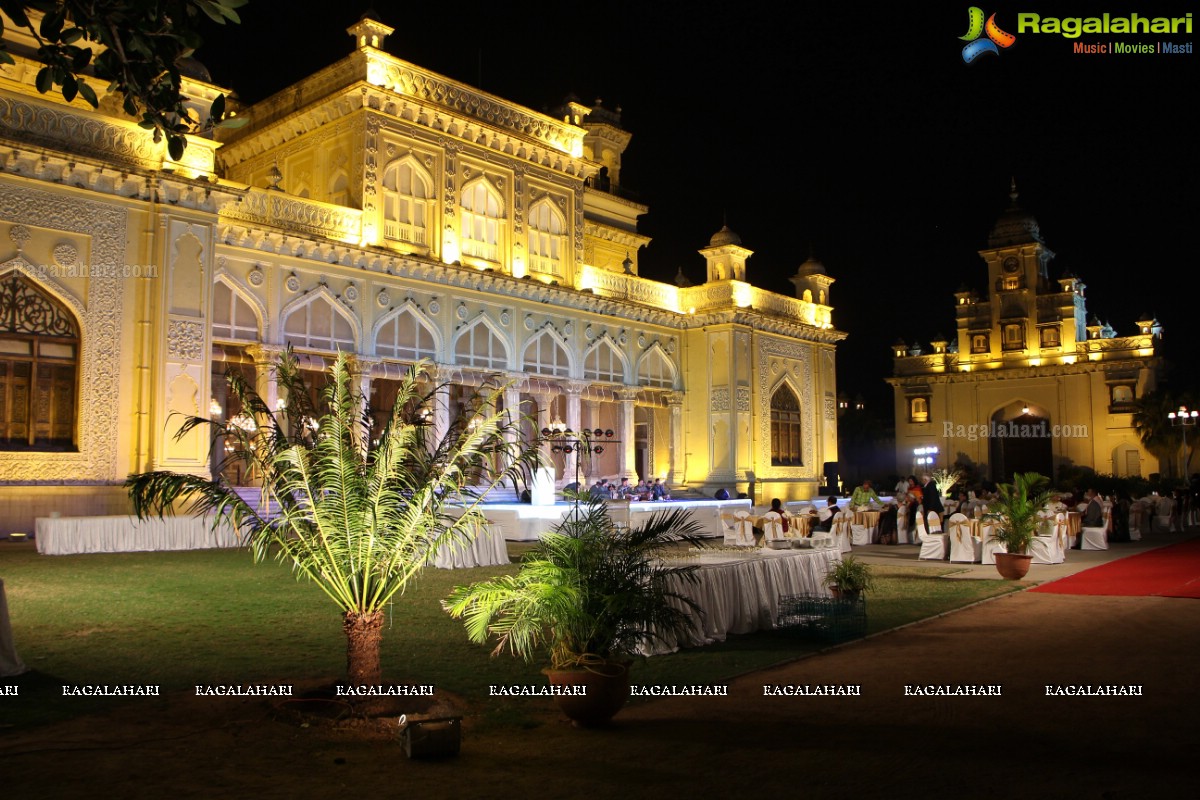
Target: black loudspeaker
column 831, row 474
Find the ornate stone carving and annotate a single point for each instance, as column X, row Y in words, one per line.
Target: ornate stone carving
column 351, row 293
column 309, row 217
column 256, row 277
column 292, row 283
column 383, row 298
column 185, row 340
column 100, row 341
column 743, row 398
column 719, row 399
column 769, row 348
column 63, row 129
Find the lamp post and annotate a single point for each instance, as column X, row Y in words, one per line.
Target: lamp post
column 1183, row 419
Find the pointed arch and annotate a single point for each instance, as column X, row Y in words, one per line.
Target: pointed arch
column 604, row 361
column 318, row 321
column 339, row 188
column 547, row 353
column 236, row 313
column 787, row 422
column 481, row 344
column 407, row 334
column 408, row 201
column 40, row 337
column 547, row 242
column 655, row 368
column 45, row 281
column 483, row 220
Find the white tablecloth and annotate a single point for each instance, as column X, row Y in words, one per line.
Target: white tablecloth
column 488, row 549
column 58, row 536
column 740, row 594
column 10, row 662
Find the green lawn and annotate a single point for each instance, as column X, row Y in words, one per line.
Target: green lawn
column 213, row 616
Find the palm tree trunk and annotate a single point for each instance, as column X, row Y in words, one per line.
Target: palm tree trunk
column 363, row 635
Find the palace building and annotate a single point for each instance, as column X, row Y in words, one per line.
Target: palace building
column 382, row 209
column 1028, row 382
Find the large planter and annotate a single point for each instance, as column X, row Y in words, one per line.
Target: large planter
column 606, row 687
column 1013, row 566
column 845, row 595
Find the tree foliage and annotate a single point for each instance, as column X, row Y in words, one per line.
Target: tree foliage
column 359, row 512
column 140, row 44
column 589, row 592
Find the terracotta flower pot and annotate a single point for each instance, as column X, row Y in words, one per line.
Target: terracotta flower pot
column 607, row 690
column 1013, row 566
column 848, row 595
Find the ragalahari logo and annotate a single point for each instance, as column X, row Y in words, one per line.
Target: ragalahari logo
column 976, row 28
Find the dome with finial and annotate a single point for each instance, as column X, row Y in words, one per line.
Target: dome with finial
column 681, row 280
column 1015, row 225
column 811, row 267
column 723, row 237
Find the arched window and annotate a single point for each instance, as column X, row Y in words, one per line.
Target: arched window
column 405, row 337
column 547, row 239
column 785, row 428
column 545, row 356
column 482, row 221
column 317, row 325
column 918, row 409
column 407, row 200
column 603, row 363
column 233, row 317
column 655, row 369
column 39, row 357
column 479, row 346
column 339, row 189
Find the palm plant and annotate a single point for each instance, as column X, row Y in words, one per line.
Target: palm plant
column 589, row 592
column 358, row 516
column 1016, row 510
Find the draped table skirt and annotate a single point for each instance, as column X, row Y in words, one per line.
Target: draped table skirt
column 740, row 594
column 57, row 536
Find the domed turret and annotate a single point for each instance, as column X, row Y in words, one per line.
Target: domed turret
column 723, row 237
column 1015, row 226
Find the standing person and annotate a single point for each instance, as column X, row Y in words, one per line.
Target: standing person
column 864, row 495
column 914, row 500
column 931, row 500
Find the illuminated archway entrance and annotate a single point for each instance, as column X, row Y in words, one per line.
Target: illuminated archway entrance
column 1021, row 441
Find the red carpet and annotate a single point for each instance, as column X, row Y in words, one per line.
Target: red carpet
column 1172, row 571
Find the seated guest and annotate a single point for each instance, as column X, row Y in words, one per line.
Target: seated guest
column 864, row 495
column 659, row 490
column 1093, row 516
column 641, row 491
column 624, row 491
column 601, row 490
column 887, row 533
column 776, row 514
column 825, row 516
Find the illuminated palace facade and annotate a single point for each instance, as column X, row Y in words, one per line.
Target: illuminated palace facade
column 1028, row 382
column 385, row 210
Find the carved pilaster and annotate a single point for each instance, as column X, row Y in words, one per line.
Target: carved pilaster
column 628, row 455
column 675, row 474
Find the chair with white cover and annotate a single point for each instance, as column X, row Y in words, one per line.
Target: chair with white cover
column 1097, row 538
column 964, row 546
column 739, row 530
column 842, row 535
column 934, row 522
column 859, row 534
column 988, row 546
column 772, row 526
column 1137, row 515
column 902, row 524
column 1049, row 548
column 933, row 545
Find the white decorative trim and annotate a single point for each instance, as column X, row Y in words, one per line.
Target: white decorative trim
column 100, row 332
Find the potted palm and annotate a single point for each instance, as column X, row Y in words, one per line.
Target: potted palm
column 359, row 512
column 591, row 595
column 1015, row 512
column 849, row 578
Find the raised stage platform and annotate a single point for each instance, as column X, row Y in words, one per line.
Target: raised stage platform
column 522, row 522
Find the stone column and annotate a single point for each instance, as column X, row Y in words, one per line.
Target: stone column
column 590, row 421
column 625, row 461
column 675, row 472
column 571, row 466
column 266, row 362
column 441, row 404
column 360, row 387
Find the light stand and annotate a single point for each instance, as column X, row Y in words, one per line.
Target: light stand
column 1183, row 419
column 564, row 440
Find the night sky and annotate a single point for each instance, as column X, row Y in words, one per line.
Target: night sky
column 860, row 136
